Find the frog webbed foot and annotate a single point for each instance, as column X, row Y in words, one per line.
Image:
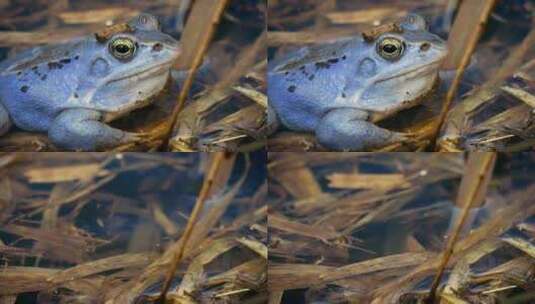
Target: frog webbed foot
column 5, row 120
column 348, row 129
column 82, row 129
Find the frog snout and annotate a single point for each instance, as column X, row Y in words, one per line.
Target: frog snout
column 433, row 47
column 167, row 47
column 171, row 43
column 438, row 43
column 426, row 46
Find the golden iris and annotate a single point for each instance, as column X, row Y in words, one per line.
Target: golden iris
column 390, row 48
column 122, row 48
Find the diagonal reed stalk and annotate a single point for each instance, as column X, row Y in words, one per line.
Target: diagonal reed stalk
column 217, row 161
column 219, row 8
column 483, row 162
column 465, row 60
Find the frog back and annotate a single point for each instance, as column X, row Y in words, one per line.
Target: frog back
column 46, row 74
column 313, row 76
column 35, row 83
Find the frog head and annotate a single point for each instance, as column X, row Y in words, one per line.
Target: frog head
column 397, row 65
column 127, row 64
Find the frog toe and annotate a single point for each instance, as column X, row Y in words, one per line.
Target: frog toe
column 400, row 137
column 130, row 137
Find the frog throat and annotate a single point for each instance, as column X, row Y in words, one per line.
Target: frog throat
column 376, row 117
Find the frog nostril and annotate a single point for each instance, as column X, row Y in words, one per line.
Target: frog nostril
column 425, row 46
column 157, row 47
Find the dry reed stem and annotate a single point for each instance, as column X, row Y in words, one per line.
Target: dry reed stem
column 486, row 161
column 518, row 209
column 219, row 7
column 462, row 66
column 461, row 112
column 211, row 175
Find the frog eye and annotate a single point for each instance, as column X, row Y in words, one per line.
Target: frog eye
column 122, row 48
column 390, row 48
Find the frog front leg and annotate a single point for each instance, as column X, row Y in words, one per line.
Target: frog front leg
column 5, row 121
column 349, row 129
column 83, row 129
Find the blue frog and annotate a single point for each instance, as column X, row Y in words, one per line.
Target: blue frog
column 341, row 89
column 72, row 90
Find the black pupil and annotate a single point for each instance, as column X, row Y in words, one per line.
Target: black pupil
column 122, row 48
column 389, row 48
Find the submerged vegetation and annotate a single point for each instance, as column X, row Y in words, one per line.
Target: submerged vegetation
column 105, row 228
column 378, row 228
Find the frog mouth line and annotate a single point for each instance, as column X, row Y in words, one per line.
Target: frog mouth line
column 147, row 73
column 423, row 67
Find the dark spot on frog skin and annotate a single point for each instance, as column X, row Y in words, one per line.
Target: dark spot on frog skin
column 139, row 92
column 344, row 57
column 311, row 77
column 157, row 47
column 302, row 68
column 55, row 65
column 36, row 71
column 291, row 89
column 24, row 89
column 65, row 61
column 76, row 57
column 43, row 77
column 75, row 95
column 19, row 73
column 334, row 60
column 343, row 95
column 322, row 65
column 285, row 73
